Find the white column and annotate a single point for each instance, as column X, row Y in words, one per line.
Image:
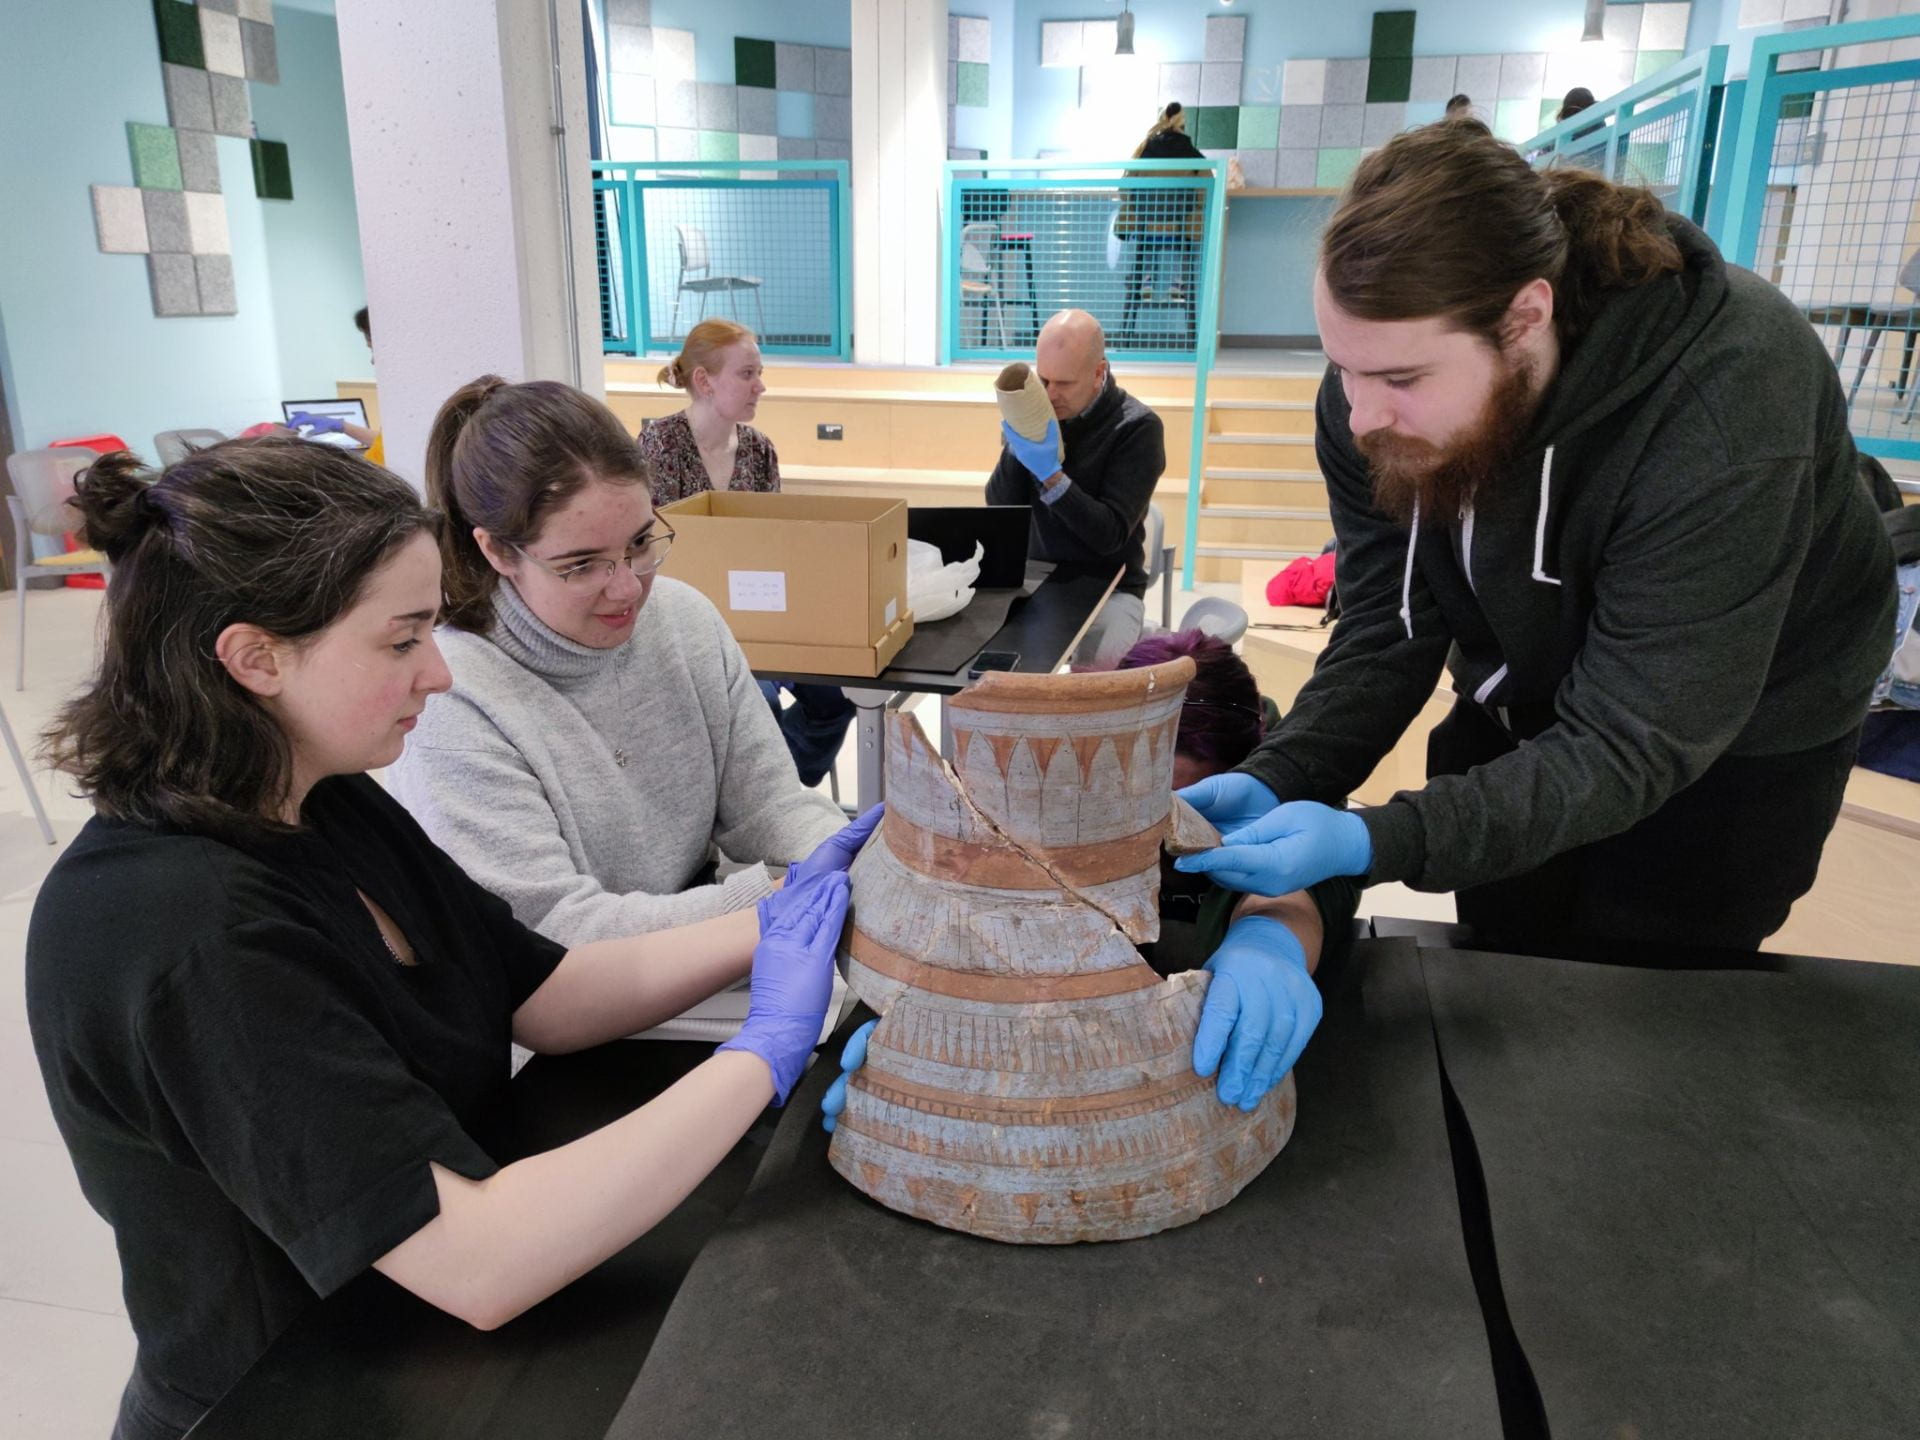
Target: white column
column 465, row 212
column 899, row 147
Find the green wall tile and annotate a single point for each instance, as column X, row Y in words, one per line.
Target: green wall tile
column 1549, row 109
column 156, row 156
column 719, row 145
column 179, row 26
column 1259, row 127
column 1389, row 78
column 753, row 62
column 1652, row 62
column 1516, row 119
column 1337, row 167
column 970, row 83
column 272, row 169
column 1392, row 36
column 1217, row 127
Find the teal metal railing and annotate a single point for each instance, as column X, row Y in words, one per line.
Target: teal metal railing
column 1661, row 133
column 766, row 242
column 1135, row 243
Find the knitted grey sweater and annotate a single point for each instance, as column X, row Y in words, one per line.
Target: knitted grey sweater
column 587, row 787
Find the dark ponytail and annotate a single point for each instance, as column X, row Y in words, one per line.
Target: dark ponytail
column 272, row 532
column 1445, row 220
column 502, row 458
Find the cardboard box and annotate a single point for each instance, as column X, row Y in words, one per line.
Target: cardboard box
column 809, row 584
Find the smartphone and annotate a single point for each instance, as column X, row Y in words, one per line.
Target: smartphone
column 992, row 660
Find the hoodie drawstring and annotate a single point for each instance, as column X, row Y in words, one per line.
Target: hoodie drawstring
column 1406, row 579
column 1540, row 521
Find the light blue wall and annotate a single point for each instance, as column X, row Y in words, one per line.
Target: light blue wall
column 716, row 23
column 1271, row 244
column 83, row 351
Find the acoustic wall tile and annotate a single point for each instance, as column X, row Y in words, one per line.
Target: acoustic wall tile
column 1392, row 34
column 120, row 219
column 633, row 143
column 795, row 147
column 1478, row 77
column 1517, row 120
column 1061, row 42
column 630, row 12
column 155, row 155
column 970, row 86
column 793, row 69
column 1389, row 78
column 1304, row 82
column 272, row 169
column 224, row 7
column 260, row 11
column 1522, row 77
column 207, row 224
column 1296, row 169
column 717, row 107
column 1346, row 82
column 1342, row 126
column 672, row 54
column 1754, row 13
column 759, row 113
column 1257, row 167
column 832, row 72
column 753, row 62
column 1382, row 122
column 1099, row 40
column 232, row 107
column 1432, row 78
column 1664, row 27
column 759, row 147
column 976, row 41
column 1652, row 62
column 1226, row 38
column 261, row 55
column 1300, row 127
column 1566, row 69
column 793, row 115
column 167, row 231
column 179, row 27
column 175, row 285
column 199, row 159
column 1425, row 112
column 832, row 118
column 833, row 149
column 214, row 274
column 718, row 145
column 678, row 144
column 1259, row 127
column 631, row 99
column 1216, row 127
column 630, row 49
column 1621, row 26
column 1818, row 9
column 1337, row 167
column 953, row 36
column 220, row 43
column 1180, row 82
column 676, row 103
column 1220, row 84
column 189, row 100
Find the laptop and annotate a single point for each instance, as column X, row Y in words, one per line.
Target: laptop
column 1001, row 529
column 354, row 412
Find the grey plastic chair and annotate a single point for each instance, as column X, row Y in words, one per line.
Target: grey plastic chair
column 42, row 485
column 1160, row 563
column 26, row 777
column 695, row 257
column 173, row 446
column 1220, row 618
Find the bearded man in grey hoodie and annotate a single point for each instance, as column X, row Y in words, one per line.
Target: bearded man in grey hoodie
column 1606, row 480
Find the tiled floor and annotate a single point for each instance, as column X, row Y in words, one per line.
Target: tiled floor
column 65, row 1346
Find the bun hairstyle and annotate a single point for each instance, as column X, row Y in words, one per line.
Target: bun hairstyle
column 271, row 532
column 701, row 350
column 502, row 458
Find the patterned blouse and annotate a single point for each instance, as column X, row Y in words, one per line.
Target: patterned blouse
column 673, row 455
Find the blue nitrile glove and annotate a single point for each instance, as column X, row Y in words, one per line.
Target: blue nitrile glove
column 1042, row 456
column 1231, row 801
column 1261, row 1009
column 836, row 852
column 1291, row 847
column 851, row 1059
column 319, row 424
column 793, row 976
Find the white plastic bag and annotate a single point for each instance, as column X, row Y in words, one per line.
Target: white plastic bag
column 934, row 590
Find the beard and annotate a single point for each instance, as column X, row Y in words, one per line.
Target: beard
column 1444, row 480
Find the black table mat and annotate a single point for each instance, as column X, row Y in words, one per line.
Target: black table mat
column 1331, row 1298
column 950, row 643
column 1704, row 1186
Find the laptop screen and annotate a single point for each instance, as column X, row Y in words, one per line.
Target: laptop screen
column 354, row 412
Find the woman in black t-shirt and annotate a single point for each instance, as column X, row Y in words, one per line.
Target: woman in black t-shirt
column 272, row 1018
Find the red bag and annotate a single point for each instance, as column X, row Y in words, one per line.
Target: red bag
column 1305, row 581
column 105, row 445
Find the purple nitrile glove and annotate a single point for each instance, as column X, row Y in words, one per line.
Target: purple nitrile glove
column 1261, row 1008
column 793, row 976
column 319, row 424
column 836, row 852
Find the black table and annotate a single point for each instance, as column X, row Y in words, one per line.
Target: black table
column 373, row 1360
column 1332, row 1297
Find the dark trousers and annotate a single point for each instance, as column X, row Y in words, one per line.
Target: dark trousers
column 815, row 724
column 1720, row 864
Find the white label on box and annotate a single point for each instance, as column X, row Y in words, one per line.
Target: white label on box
column 893, row 611
column 757, row 589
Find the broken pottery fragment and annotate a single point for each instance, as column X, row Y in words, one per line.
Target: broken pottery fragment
column 1031, row 1079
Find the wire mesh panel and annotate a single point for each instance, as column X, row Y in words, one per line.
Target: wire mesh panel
column 610, row 251
column 1655, row 155
column 767, row 247
column 1827, row 207
column 1131, row 248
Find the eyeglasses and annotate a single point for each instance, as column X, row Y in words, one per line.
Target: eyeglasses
column 642, row 559
column 1227, row 705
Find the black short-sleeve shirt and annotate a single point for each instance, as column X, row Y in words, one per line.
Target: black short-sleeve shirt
column 250, row 1084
